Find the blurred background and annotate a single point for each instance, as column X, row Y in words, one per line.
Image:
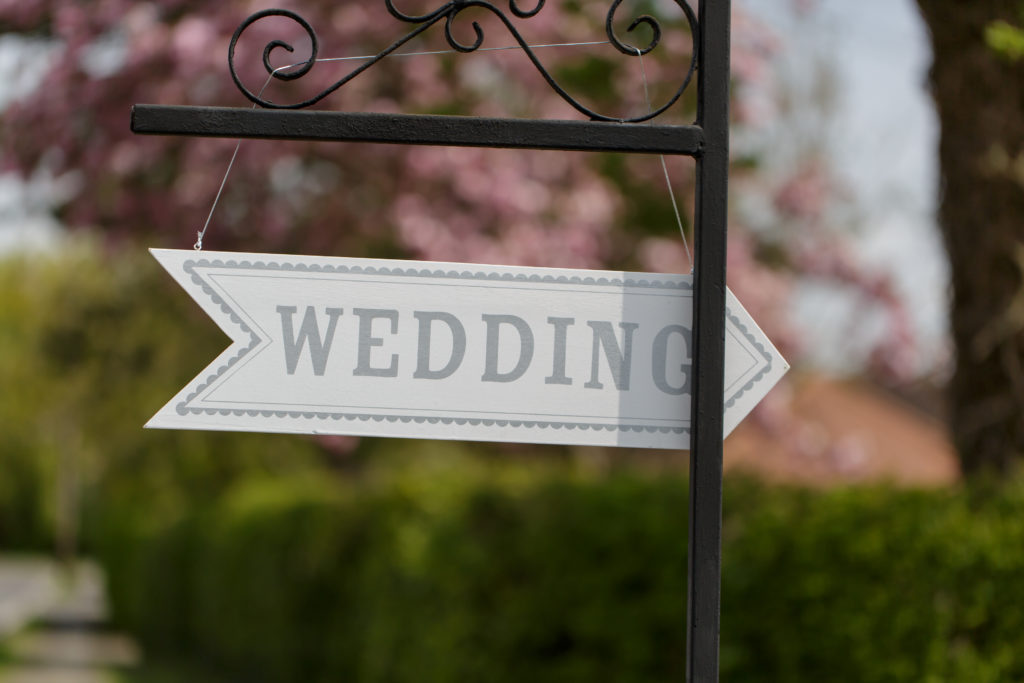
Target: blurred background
column 873, row 518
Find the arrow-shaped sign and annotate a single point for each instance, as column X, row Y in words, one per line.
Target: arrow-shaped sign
column 324, row 345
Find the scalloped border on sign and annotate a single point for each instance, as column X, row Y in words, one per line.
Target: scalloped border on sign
column 190, row 265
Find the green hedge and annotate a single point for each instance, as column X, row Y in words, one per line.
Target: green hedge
column 452, row 571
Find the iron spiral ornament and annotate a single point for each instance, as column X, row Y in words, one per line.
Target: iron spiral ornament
column 448, row 13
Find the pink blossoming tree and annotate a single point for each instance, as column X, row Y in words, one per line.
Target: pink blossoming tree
column 495, row 206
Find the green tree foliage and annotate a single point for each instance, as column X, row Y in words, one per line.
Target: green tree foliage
column 1005, row 38
column 90, row 348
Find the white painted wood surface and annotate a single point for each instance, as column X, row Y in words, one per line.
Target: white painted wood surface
column 325, row 345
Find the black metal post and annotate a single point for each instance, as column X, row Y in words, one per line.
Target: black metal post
column 705, row 551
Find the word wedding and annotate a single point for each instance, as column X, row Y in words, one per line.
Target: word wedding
column 326, row 345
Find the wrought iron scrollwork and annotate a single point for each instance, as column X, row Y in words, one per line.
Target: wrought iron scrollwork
column 448, row 13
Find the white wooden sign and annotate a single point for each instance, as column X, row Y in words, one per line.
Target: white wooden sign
column 325, row 345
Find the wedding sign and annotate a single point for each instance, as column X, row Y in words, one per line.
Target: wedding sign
column 325, row 345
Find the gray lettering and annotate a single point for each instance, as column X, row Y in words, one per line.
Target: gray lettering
column 659, row 360
column 309, row 331
column 494, row 322
column 558, row 372
column 367, row 341
column 426, row 319
column 618, row 361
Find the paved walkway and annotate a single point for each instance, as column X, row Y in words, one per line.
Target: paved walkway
column 69, row 642
column 28, row 587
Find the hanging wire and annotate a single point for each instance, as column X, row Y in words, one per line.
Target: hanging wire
column 198, row 246
column 664, row 168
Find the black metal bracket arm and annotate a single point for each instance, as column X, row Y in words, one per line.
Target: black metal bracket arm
column 459, row 131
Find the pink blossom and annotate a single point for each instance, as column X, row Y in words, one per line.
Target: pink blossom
column 501, row 206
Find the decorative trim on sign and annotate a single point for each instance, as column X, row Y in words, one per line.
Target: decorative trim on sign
column 757, row 345
column 189, row 266
column 254, row 340
column 680, row 285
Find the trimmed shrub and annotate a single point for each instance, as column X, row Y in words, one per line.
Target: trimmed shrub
column 466, row 572
column 877, row 585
